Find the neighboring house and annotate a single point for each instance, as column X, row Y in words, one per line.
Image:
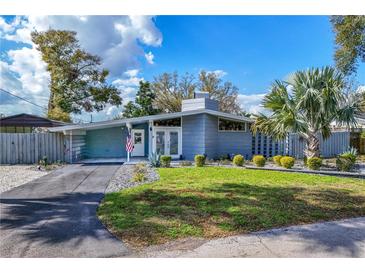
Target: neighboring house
column 26, row 123
column 198, row 129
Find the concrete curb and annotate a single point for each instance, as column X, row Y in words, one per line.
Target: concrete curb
column 321, row 172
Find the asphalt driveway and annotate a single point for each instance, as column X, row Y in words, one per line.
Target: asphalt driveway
column 55, row 216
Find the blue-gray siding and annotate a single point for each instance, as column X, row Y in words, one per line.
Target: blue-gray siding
column 193, row 141
column 201, row 136
column 110, row 142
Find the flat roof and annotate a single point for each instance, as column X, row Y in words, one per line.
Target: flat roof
column 137, row 120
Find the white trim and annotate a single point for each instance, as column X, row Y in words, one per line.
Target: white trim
column 167, row 130
column 115, row 123
column 134, row 130
column 219, row 130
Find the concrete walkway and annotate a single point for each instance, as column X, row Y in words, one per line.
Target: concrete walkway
column 344, row 238
column 55, row 216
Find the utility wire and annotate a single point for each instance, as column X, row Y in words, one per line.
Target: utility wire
column 21, row 98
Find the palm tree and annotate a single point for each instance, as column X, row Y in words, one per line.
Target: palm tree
column 307, row 104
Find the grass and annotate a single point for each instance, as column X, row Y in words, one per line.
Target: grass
column 216, row 201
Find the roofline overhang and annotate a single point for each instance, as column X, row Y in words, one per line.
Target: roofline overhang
column 138, row 120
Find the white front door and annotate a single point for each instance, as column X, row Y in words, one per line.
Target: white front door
column 167, row 141
column 138, row 142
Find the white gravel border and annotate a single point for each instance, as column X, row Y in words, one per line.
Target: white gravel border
column 15, row 175
column 123, row 178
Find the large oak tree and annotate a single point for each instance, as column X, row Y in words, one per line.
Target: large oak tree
column 78, row 83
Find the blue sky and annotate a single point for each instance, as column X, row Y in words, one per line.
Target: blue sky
column 250, row 51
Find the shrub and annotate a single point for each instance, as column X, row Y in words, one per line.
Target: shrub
column 351, row 154
column 165, row 160
column 314, row 163
column 199, row 160
column 44, row 161
column 138, row 177
column 305, row 159
column 259, row 160
column 185, row 163
column 154, row 160
column 277, row 158
column 140, row 168
column 287, row 162
column 238, row 160
column 346, row 160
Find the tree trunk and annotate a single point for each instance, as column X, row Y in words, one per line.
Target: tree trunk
column 312, row 146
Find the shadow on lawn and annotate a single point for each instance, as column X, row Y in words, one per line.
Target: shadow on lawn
column 235, row 208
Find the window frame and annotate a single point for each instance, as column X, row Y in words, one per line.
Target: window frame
column 222, row 130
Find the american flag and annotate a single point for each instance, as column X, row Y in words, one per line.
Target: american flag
column 129, row 144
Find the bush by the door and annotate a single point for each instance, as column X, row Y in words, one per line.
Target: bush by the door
column 199, row 160
column 165, row 161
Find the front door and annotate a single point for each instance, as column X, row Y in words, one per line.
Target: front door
column 138, row 142
column 167, row 141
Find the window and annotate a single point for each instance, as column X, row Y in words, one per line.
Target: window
column 229, row 125
column 168, row 123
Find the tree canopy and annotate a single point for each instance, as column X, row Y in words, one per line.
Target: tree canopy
column 307, row 104
column 350, row 42
column 143, row 103
column 170, row 89
column 77, row 81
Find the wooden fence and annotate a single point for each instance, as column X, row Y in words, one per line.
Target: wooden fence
column 29, row 148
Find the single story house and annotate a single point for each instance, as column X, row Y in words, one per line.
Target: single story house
column 200, row 128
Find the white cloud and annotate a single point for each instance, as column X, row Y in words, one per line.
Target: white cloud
column 132, row 72
column 149, row 58
column 118, row 40
column 219, row 73
column 251, row 103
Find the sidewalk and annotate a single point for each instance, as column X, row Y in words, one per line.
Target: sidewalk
column 344, row 238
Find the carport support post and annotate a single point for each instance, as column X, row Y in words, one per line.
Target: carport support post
column 129, row 128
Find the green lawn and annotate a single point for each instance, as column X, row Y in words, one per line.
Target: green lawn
column 216, row 201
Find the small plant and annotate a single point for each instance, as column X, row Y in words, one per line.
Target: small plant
column 225, row 162
column 259, row 160
column 165, row 161
column 351, row 153
column 314, row 163
column 305, row 159
column 186, row 163
column 287, row 162
column 277, row 159
column 44, row 161
column 139, row 177
column 140, row 167
column 199, row 160
column 154, row 160
column 346, row 160
column 139, row 172
column 238, row 160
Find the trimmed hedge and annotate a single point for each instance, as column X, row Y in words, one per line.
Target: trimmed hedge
column 199, row 160
column 314, row 163
column 259, row 160
column 238, row 160
column 276, row 159
column 165, row 160
column 287, row 162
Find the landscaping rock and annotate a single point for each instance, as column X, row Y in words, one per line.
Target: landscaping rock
column 15, row 175
column 123, row 178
